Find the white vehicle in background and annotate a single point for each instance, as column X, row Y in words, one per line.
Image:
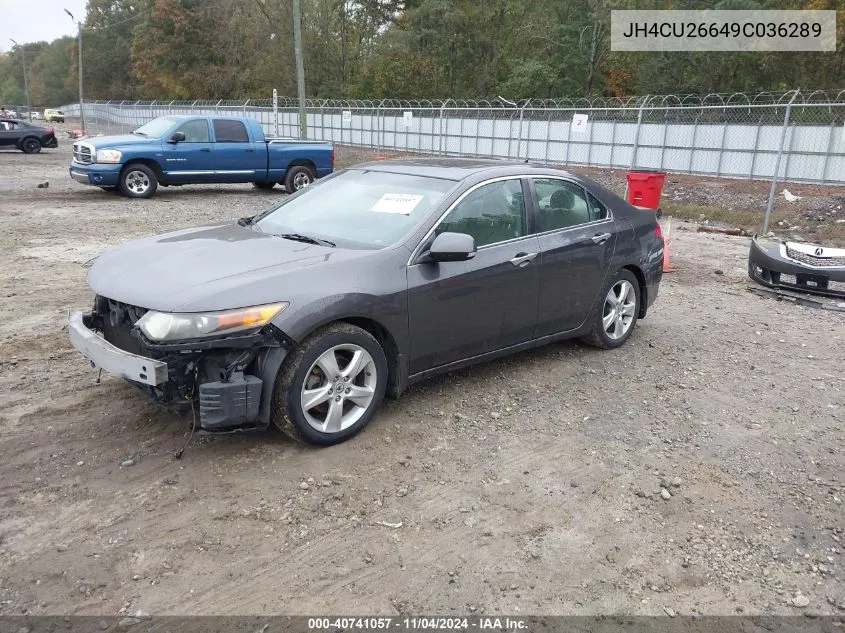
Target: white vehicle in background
column 12, row 114
column 36, row 115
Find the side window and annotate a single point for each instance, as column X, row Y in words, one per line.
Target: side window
column 492, row 213
column 227, row 131
column 195, row 131
column 597, row 210
column 560, row 204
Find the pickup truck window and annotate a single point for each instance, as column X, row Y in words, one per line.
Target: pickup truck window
column 357, row 209
column 195, row 131
column 227, row 131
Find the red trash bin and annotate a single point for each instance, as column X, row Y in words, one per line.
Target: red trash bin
column 645, row 187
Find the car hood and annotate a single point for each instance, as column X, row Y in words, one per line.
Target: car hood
column 217, row 267
column 102, row 142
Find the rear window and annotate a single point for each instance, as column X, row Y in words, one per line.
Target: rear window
column 226, row 131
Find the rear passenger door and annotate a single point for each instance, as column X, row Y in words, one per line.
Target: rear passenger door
column 236, row 157
column 577, row 240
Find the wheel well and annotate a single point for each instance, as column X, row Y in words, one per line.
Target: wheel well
column 643, row 289
column 388, row 344
column 304, row 162
column 144, row 161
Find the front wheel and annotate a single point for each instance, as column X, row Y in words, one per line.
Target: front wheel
column 330, row 387
column 138, row 181
column 297, row 178
column 616, row 315
column 31, row 145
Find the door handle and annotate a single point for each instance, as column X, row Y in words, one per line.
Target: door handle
column 249, row 150
column 522, row 259
column 205, row 149
column 601, row 238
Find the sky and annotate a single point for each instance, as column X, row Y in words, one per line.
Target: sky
column 37, row 20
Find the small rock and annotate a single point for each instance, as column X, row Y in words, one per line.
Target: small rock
column 573, row 484
column 719, row 272
column 125, row 623
column 676, row 482
column 304, row 485
column 401, row 492
column 61, row 547
column 800, row 601
column 136, row 577
column 669, row 611
column 127, row 462
column 80, row 463
column 470, row 521
column 665, row 494
column 43, row 185
column 495, row 415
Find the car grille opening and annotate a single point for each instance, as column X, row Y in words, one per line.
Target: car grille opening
column 83, row 153
column 812, row 260
column 118, row 321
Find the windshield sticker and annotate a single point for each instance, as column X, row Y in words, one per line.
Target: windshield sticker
column 401, row 203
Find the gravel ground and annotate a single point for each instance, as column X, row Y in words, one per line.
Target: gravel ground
column 698, row 470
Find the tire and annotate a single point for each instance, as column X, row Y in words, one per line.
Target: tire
column 609, row 332
column 264, row 185
column 298, row 177
column 301, row 370
column 138, row 181
column 31, row 145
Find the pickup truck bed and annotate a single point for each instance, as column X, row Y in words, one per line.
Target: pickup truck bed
column 180, row 150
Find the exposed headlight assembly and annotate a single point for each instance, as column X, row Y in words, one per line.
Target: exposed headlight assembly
column 166, row 326
column 108, row 156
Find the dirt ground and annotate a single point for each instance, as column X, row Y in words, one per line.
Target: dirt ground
column 530, row 485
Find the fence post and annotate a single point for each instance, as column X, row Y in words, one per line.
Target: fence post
column 637, row 134
column 276, row 113
column 756, row 148
column 440, row 130
column 770, row 203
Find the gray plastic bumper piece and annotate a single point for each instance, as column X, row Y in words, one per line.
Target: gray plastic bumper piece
column 230, row 404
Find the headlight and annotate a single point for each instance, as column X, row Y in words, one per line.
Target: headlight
column 165, row 326
column 108, row 156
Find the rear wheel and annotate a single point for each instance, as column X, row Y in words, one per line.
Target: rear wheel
column 138, row 181
column 298, row 177
column 31, row 145
column 616, row 315
column 264, row 185
column 330, row 387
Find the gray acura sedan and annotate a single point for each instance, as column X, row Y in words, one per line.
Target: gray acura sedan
column 305, row 315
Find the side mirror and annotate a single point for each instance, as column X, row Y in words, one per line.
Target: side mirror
column 177, row 137
column 452, row 247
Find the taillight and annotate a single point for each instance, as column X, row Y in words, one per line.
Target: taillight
column 51, row 131
column 658, row 232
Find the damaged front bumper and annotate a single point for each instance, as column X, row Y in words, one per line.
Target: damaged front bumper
column 797, row 266
column 230, row 379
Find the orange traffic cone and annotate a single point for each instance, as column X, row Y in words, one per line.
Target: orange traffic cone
column 667, row 239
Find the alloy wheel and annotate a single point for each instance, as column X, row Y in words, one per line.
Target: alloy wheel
column 620, row 306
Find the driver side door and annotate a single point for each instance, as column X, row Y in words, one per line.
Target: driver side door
column 459, row 310
column 191, row 160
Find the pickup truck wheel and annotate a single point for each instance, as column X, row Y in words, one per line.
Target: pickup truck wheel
column 330, row 386
column 138, row 181
column 297, row 178
column 264, row 185
column 31, row 145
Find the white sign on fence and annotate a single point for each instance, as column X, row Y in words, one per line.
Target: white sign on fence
column 347, row 116
column 579, row 123
column 408, row 118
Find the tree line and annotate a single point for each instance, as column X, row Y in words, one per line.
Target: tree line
column 404, row 49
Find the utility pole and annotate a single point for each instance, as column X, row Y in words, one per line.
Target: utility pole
column 25, row 80
column 300, row 67
column 79, row 46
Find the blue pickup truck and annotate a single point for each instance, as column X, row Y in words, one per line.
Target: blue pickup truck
column 181, row 150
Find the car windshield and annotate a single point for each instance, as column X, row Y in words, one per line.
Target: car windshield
column 155, row 128
column 357, row 208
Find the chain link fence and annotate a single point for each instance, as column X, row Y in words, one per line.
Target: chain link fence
column 795, row 136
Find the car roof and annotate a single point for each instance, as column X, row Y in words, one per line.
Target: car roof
column 458, row 168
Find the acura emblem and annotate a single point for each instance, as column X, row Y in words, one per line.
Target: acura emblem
column 819, row 251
